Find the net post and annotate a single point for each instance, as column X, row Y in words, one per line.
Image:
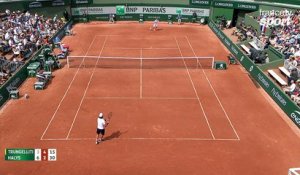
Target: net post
column 212, row 64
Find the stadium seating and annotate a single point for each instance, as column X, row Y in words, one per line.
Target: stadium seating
column 277, row 78
column 246, row 49
column 21, row 35
column 284, row 71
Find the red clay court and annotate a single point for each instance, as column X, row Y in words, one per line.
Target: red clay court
column 169, row 117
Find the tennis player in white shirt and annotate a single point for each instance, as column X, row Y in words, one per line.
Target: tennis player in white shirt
column 155, row 24
column 101, row 124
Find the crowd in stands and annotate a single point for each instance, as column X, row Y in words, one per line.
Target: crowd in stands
column 244, row 32
column 21, row 34
column 291, row 65
column 286, row 37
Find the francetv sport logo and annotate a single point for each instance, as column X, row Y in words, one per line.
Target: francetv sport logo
column 275, row 17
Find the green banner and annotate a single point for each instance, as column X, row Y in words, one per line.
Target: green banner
column 131, row 10
column 19, row 154
column 283, row 101
column 120, row 10
column 236, row 5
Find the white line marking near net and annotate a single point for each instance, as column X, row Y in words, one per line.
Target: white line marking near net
column 223, row 109
column 144, row 139
column 144, row 48
column 141, row 74
column 144, row 98
column 59, row 104
column 87, row 87
column 196, row 93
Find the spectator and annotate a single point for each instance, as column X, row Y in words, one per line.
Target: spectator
column 290, row 64
column 66, row 15
column 293, row 76
column 291, row 89
column 16, row 51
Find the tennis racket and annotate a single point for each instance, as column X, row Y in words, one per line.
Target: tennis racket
column 109, row 116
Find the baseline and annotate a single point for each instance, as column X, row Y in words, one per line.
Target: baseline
column 143, row 138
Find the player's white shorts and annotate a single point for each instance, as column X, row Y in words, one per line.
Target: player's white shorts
column 155, row 25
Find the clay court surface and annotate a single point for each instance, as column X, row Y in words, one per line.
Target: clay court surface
column 165, row 120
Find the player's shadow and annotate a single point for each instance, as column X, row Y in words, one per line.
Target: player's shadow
column 115, row 135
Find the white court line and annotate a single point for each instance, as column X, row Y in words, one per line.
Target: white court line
column 59, row 104
column 228, row 119
column 144, row 98
column 212, row 134
column 141, row 74
column 108, row 35
column 86, row 89
column 137, row 58
column 144, row 48
column 144, row 138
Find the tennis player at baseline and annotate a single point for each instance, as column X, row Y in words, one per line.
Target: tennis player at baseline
column 101, row 124
column 155, row 24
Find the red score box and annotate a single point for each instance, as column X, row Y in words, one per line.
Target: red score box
column 44, row 154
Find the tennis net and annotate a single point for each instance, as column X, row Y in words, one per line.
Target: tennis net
column 140, row 63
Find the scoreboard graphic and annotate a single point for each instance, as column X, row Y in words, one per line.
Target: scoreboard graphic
column 30, row 154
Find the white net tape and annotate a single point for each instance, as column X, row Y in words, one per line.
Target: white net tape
column 140, row 63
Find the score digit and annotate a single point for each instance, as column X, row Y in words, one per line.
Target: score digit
column 52, row 154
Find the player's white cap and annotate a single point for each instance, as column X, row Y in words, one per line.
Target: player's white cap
column 100, row 114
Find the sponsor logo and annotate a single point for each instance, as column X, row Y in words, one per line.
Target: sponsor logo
column 296, row 116
column 221, row 4
column 272, row 21
column 131, row 9
column 81, row 1
column 251, row 68
column 200, row 2
column 154, row 10
column 35, row 4
column 58, row 3
column 95, row 9
column 279, row 97
column 234, row 50
column 227, row 42
column 242, row 58
column 245, row 6
column 263, row 80
column 126, row 17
